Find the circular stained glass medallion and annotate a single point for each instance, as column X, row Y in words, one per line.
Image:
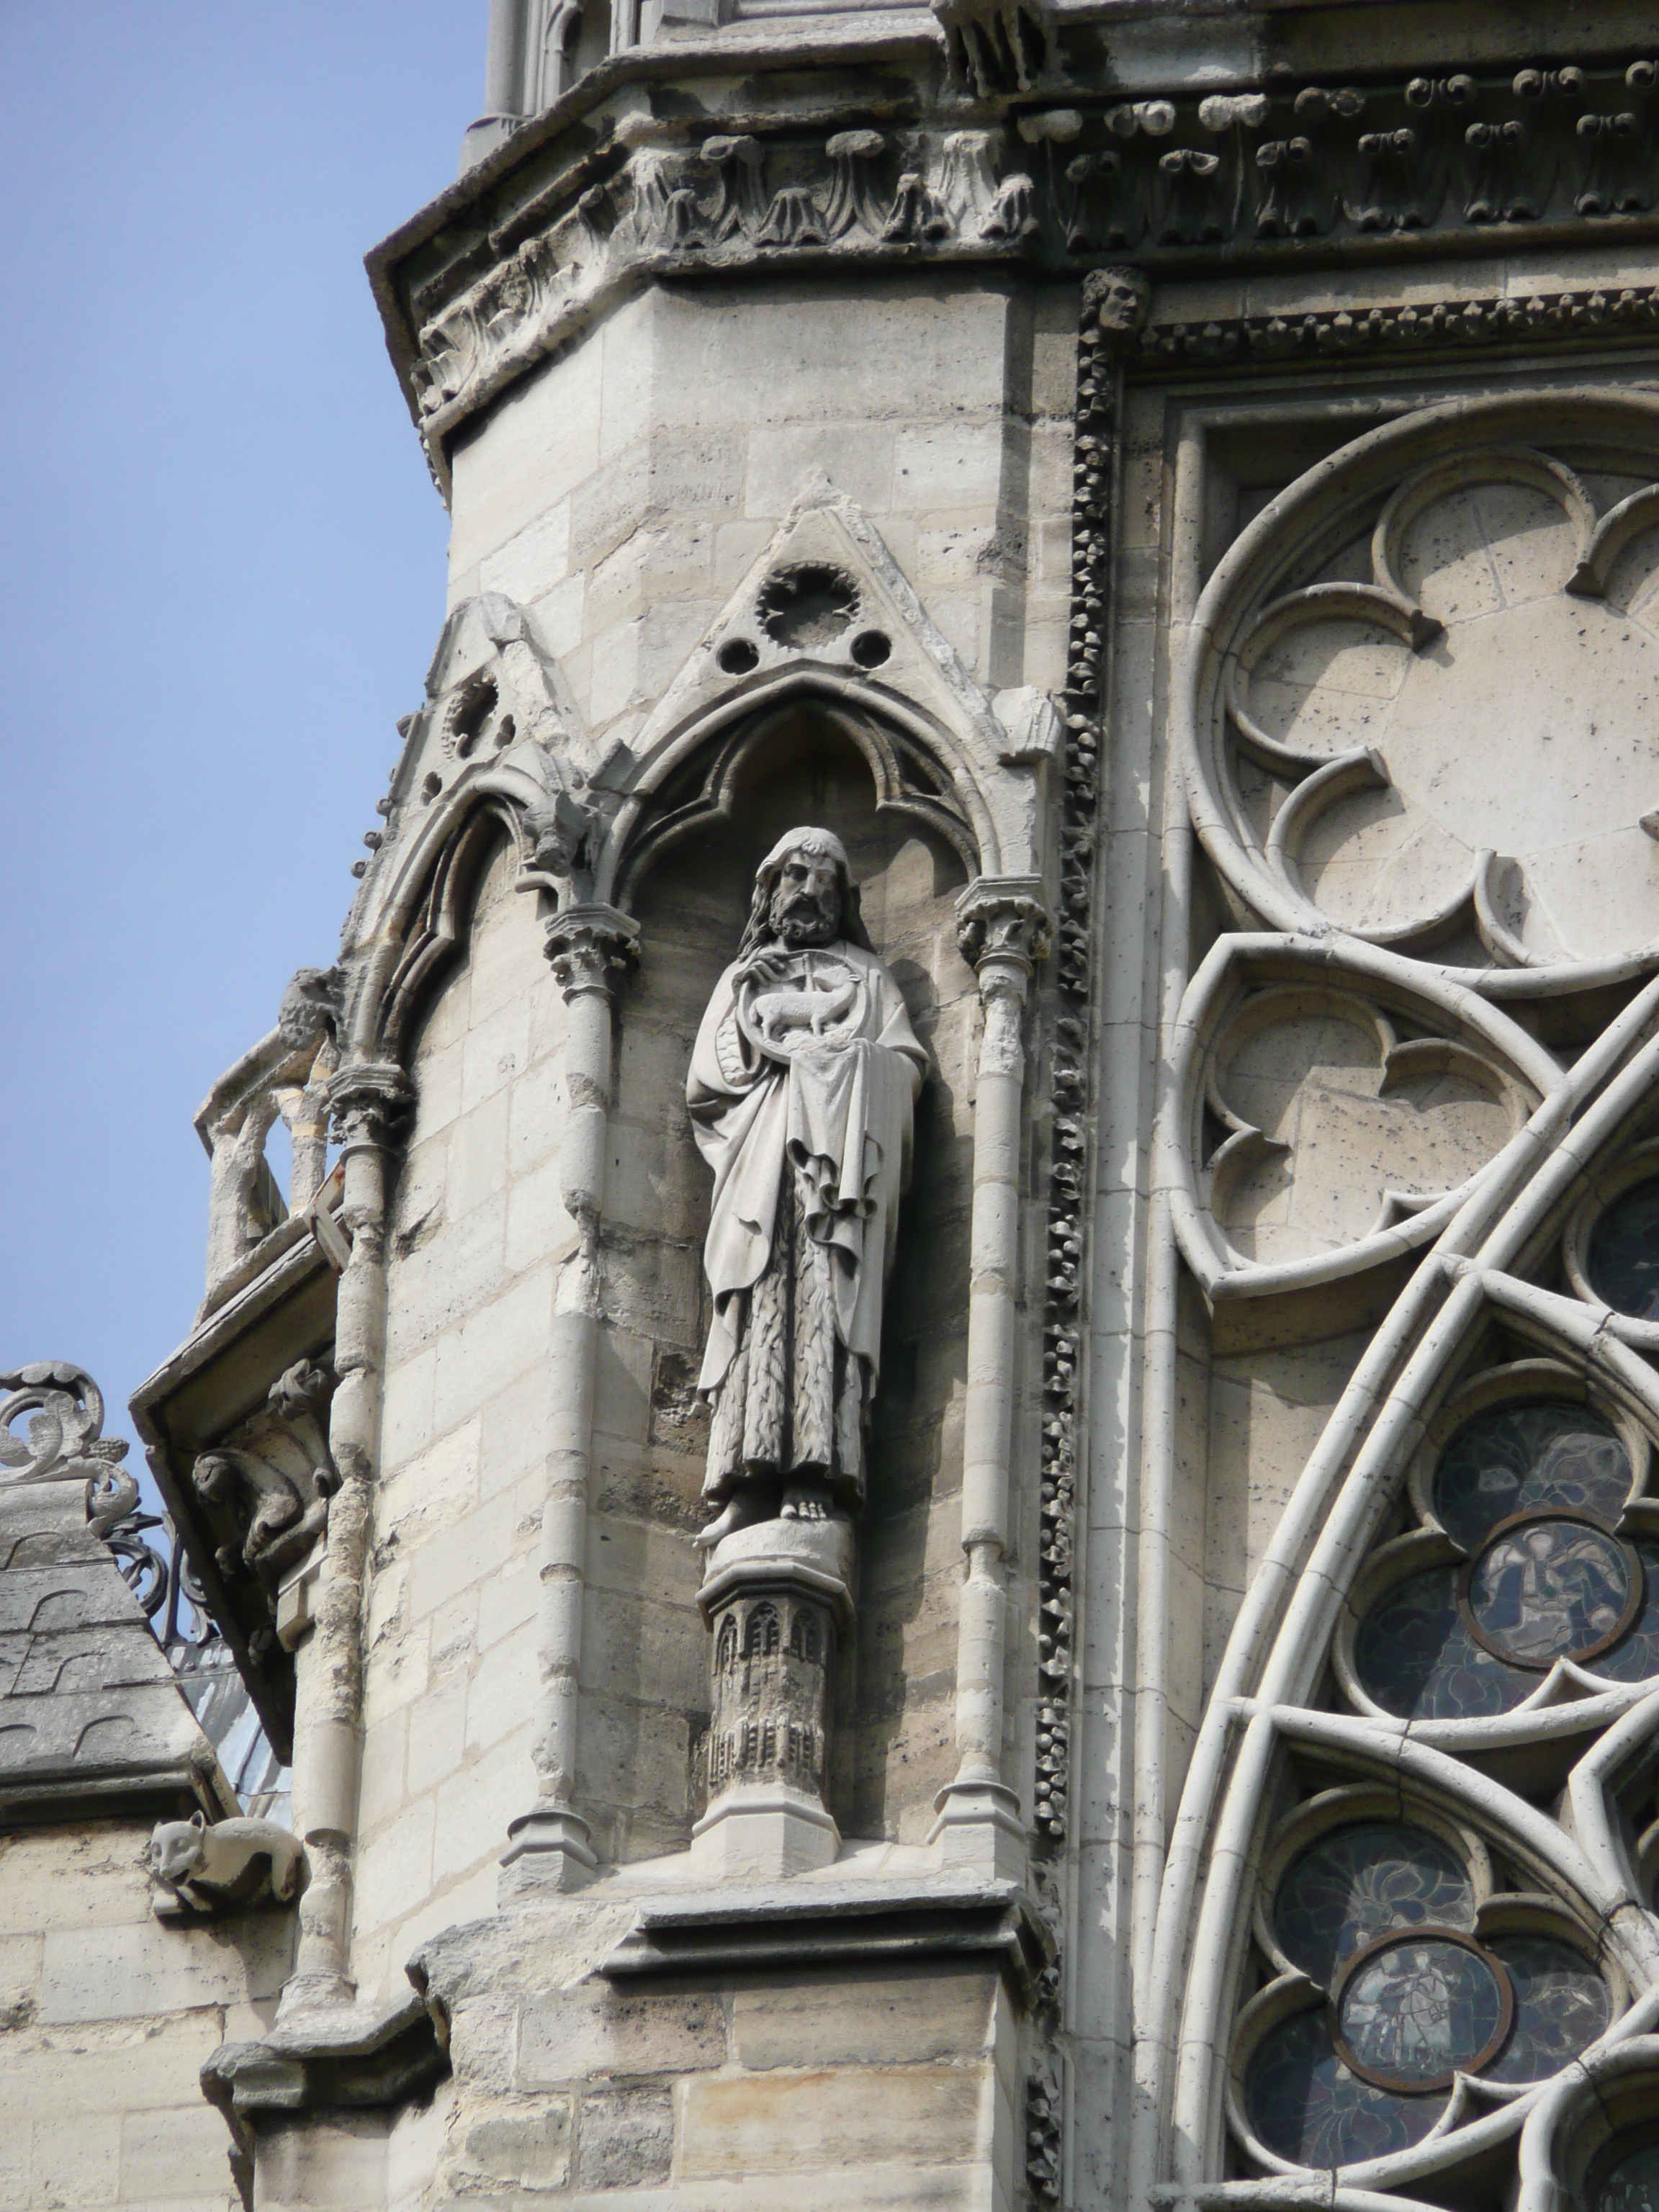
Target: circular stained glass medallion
column 1548, row 1586
column 1539, row 1456
column 1358, row 1882
column 1412, row 2010
column 1623, row 1259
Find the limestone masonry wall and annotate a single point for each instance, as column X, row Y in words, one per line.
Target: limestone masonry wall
column 106, row 2017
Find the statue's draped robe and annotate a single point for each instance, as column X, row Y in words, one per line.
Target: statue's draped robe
column 801, row 1090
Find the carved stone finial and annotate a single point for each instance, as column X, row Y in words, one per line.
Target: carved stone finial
column 369, row 1104
column 592, row 949
column 1115, row 303
column 1003, row 921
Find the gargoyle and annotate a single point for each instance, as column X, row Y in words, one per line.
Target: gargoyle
column 233, row 1864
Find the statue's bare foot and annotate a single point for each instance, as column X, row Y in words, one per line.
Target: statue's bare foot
column 807, row 1502
column 750, row 1503
column 738, row 1513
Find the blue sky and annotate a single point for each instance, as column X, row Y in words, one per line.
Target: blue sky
column 221, row 578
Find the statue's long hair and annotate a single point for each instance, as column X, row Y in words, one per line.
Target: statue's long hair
column 824, row 844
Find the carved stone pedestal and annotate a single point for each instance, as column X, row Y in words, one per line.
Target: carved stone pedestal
column 775, row 1597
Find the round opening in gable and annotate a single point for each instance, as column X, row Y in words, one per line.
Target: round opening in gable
column 802, row 609
column 737, row 656
column 871, row 648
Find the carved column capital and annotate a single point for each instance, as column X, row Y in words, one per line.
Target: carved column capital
column 1004, row 929
column 369, row 1104
column 592, row 949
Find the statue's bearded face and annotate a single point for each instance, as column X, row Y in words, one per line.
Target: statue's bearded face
column 806, row 900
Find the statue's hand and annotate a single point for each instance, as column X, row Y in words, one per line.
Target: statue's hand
column 769, row 963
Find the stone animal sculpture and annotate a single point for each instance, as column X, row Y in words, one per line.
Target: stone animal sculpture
column 235, row 1863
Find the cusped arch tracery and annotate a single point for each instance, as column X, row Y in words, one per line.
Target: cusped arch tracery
column 1419, row 699
column 699, row 784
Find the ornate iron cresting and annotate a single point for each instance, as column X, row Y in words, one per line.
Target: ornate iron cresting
column 63, row 1409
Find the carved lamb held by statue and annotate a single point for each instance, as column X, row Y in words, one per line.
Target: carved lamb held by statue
column 235, row 1863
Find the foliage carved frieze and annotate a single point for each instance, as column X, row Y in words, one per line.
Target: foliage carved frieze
column 1260, row 172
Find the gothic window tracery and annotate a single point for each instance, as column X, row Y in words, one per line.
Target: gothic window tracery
column 1401, row 1969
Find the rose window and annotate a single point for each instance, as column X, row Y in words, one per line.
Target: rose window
column 1535, row 1566
column 1418, row 1980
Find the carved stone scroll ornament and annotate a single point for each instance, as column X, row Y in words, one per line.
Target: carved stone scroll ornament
column 802, row 1086
column 64, row 1408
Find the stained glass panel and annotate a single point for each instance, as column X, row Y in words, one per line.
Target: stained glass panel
column 1412, row 2012
column 1633, row 2184
column 1525, row 1458
column 1623, row 1262
column 1636, row 1655
column 1361, row 1882
column 1305, row 2104
column 1561, row 2006
column 1551, row 1589
column 1415, row 1656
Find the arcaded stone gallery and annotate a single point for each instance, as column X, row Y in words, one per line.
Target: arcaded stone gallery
column 938, row 1489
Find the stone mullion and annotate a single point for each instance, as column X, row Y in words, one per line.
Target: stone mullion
column 592, row 949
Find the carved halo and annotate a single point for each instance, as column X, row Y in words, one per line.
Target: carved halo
column 1400, row 676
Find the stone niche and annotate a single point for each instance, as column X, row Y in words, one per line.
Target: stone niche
column 690, row 882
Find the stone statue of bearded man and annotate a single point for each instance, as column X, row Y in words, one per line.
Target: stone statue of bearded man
column 803, row 1083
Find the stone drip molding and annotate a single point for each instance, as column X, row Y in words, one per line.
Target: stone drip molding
column 1499, row 319
column 1253, row 178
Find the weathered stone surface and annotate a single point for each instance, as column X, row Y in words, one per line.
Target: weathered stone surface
column 595, row 2030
